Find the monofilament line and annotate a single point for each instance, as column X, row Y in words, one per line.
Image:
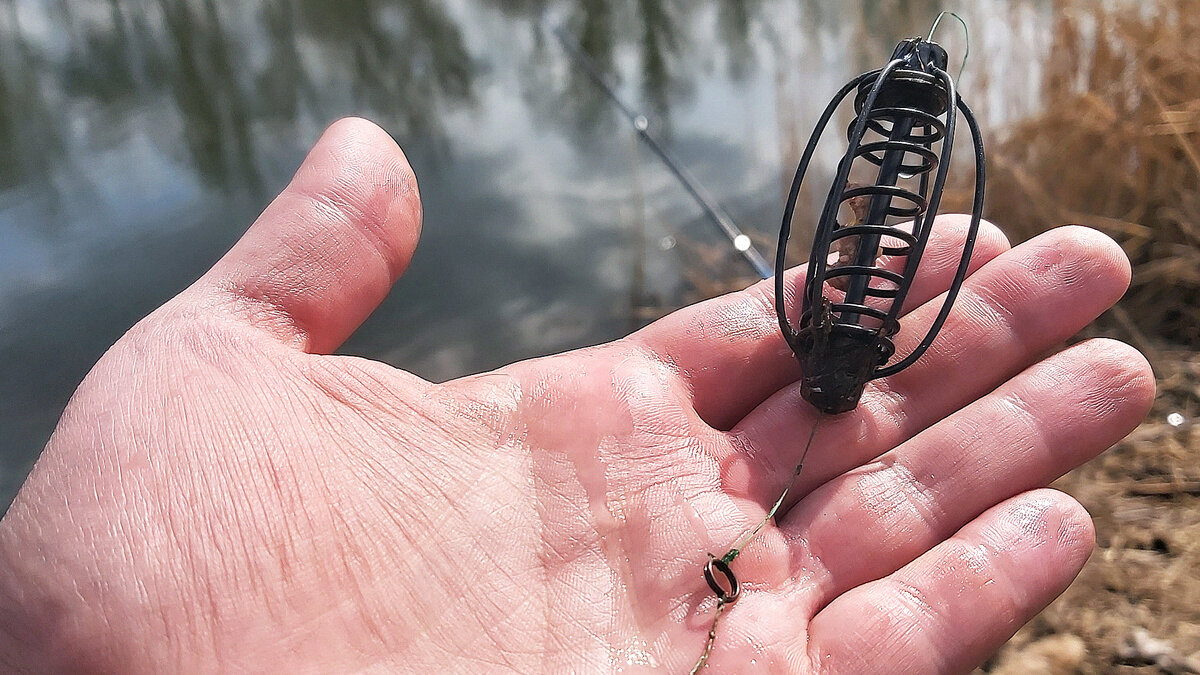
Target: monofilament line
column 744, row 540
column 749, row 535
column 966, row 35
column 712, row 637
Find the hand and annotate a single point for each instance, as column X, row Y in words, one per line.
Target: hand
column 223, row 494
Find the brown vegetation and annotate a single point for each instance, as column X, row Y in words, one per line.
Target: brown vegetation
column 1118, row 148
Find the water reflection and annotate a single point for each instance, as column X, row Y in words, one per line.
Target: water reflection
column 138, row 138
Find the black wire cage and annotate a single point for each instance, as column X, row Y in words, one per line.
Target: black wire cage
column 860, row 271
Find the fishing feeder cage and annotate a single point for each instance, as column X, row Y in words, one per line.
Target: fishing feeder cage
column 861, row 271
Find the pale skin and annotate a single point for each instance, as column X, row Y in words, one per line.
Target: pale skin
column 223, row 494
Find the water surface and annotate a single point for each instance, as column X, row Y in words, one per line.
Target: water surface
column 138, row 139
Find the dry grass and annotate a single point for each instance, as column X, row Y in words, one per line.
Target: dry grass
column 1118, row 148
column 1145, row 498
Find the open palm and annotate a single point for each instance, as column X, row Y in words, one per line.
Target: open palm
column 223, row 494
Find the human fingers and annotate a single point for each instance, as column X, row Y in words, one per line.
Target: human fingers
column 1048, row 420
column 1009, row 313
column 729, row 350
column 950, row 609
column 324, row 254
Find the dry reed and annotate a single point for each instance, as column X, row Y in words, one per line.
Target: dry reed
column 1117, row 148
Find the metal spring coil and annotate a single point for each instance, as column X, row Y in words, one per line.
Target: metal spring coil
column 919, row 160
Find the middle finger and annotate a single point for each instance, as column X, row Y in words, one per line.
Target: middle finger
column 1051, row 418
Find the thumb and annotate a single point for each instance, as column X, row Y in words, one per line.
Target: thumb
column 324, row 254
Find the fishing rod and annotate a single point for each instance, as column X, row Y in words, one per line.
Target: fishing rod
column 740, row 240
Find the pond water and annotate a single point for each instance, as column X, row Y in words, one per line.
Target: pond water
column 139, row 139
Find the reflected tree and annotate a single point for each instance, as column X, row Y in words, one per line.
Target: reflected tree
column 652, row 30
column 235, row 73
column 208, row 93
column 283, row 84
column 31, row 125
column 593, row 25
column 101, row 66
column 406, row 61
column 736, row 21
column 661, row 43
column 226, row 77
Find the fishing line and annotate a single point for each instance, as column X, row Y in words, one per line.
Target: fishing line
column 966, row 38
column 749, row 535
column 712, row 638
column 726, row 597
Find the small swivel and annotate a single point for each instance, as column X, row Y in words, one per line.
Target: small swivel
column 717, row 565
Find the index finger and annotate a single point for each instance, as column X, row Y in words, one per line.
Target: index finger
column 730, row 352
